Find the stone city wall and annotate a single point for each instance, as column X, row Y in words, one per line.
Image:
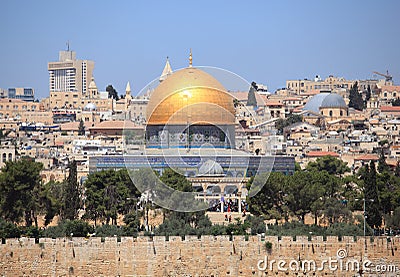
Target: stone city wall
column 204, row 256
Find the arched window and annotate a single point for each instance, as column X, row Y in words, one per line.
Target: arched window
column 341, row 113
column 330, row 113
column 4, row 157
column 9, row 156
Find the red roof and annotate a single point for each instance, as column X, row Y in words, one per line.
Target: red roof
column 322, row 154
column 390, row 109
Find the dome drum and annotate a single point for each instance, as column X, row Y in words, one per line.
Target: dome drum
column 176, row 136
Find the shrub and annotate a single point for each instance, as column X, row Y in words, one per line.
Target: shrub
column 76, row 228
column 109, row 231
column 268, row 246
column 9, row 230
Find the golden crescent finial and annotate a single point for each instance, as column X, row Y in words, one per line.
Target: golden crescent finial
column 190, row 58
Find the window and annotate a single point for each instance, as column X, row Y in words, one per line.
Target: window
column 330, row 113
column 341, row 113
column 4, row 157
column 9, row 156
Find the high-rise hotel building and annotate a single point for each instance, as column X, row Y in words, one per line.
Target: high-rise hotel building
column 69, row 76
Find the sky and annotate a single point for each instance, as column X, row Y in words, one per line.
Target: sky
column 264, row 41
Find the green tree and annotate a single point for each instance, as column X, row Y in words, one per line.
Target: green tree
column 280, row 124
column 112, row 93
column 251, row 97
column 81, row 128
column 397, row 169
column 373, row 215
column 335, row 211
column 20, row 186
column 393, row 221
column 72, row 194
column 51, row 199
column 368, row 93
column 329, row 164
column 356, row 100
column 108, row 194
column 305, row 191
column 9, row 230
column 382, row 165
column 386, row 185
column 177, row 181
column 270, row 200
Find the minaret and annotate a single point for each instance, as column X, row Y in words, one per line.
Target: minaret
column 128, row 89
column 166, row 72
column 128, row 95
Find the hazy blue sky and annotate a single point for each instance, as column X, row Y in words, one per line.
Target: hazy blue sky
column 265, row 41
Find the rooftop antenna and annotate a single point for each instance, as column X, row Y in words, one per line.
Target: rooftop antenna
column 68, row 45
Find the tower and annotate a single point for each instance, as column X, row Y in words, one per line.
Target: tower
column 69, row 74
column 166, row 71
column 93, row 92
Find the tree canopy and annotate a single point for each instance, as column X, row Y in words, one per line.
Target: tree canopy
column 108, row 193
column 21, row 191
column 329, row 164
column 280, row 124
column 112, row 93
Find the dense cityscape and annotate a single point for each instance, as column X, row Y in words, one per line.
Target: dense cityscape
column 282, row 157
column 319, row 153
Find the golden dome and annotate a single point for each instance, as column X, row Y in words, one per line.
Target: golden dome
column 193, row 96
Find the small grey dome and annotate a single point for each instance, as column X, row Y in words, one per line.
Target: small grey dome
column 315, row 102
column 333, row 100
column 211, row 168
column 324, row 100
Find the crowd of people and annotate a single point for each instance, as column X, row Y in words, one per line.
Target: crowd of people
column 229, row 206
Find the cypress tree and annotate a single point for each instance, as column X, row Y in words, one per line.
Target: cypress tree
column 356, row 100
column 71, row 194
column 373, row 215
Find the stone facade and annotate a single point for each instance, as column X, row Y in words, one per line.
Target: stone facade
column 193, row 256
